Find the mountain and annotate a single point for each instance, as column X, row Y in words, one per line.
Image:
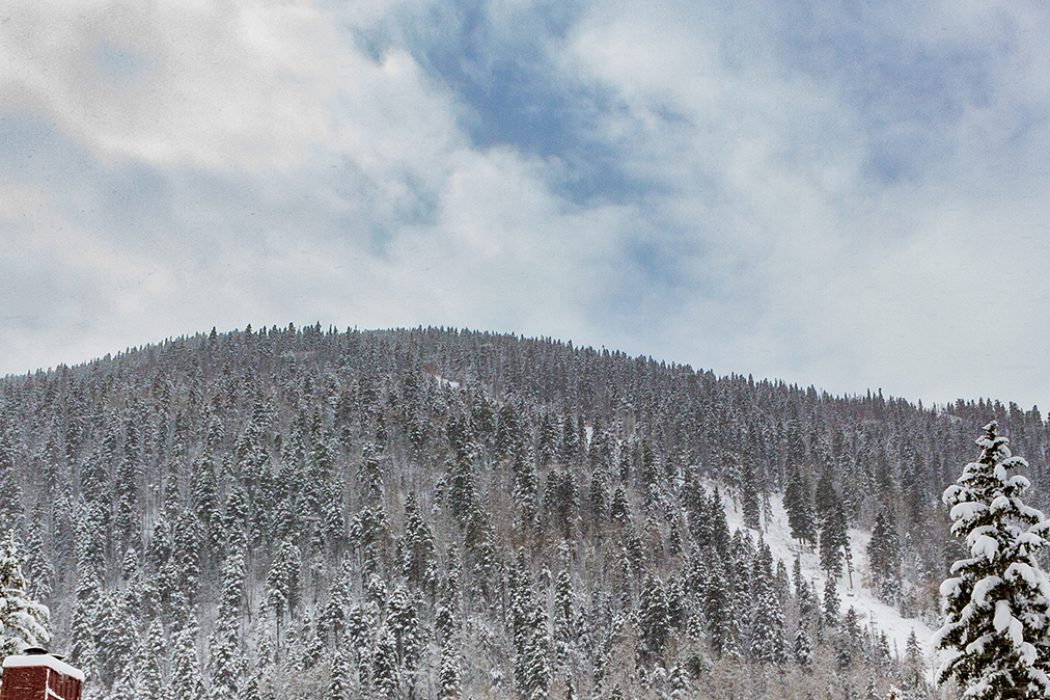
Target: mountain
column 432, row 513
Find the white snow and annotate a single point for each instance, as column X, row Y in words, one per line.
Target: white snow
column 980, row 590
column 869, row 608
column 1004, row 621
column 966, row 510
column 984, row 546
column 1000, row 502
column 1021, row 570
column 950, row 586
column 446, row 382
column 45, row 660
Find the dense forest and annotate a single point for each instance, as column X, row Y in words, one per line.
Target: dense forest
column 430, row 513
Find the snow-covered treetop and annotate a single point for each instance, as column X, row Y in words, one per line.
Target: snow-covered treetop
column 986, row 492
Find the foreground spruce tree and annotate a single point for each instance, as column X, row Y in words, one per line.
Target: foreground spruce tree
column 997, row 601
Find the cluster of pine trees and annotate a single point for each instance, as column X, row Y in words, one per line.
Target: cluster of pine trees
column 293, row 513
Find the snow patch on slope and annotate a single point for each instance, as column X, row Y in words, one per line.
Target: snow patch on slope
column 870, row 609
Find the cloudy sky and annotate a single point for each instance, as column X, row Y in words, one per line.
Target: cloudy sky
column 848, row 194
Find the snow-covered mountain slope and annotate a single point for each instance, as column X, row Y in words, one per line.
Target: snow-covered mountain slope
column 389, row 513
column 871, row 610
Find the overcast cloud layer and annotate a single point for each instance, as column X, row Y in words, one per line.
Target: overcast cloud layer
column 853, row 195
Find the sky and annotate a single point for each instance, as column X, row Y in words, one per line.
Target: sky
column 852, row 195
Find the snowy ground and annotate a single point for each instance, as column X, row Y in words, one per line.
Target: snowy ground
column 870, row 609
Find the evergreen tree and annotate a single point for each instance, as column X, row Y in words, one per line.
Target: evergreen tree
column 799, row 510
column 719, row 611
column 226, row 663
column 807, row 603
column 834, row 539
column 565, row 615
column 10, row 488
column 831, row 602
column 449, row 674
column 151, row 653
column 537, row 669
column 385, row 674
column 884, row 557
column 186, row 680
column 749, row 492
column 621, row 508
column 283, row 581
column 914, row 667
column 848, row 641
column 417, row 548
column 996, row 630
column 767, row 623
column 339, row 679
column 653, row 619
column 803, row 648
column 23, row 621
column 403, row 621
column 825, row 497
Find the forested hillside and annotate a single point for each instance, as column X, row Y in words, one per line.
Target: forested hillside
column 301, row 513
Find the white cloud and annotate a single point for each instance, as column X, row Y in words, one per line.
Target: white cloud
column 305, row 133
column 835, row 279
column 235, row 85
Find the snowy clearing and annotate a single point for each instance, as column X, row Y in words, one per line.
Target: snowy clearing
column 869, row 608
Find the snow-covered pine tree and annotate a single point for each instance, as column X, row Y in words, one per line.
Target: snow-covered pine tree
column 417, row 547
column 884, row 556
column 449, row 673
column 654, row 621
column 722, row 622
column 339, row 678
column 10, row 489
column 186, row 682
column 621, row 507
column 749, row 491
column 831, row 602
column 564, row 615
column 385, row 672
column 914, row 668
column 22, row 620
column 803, row 647
column 38, row 568
column 537, row 669
column 997, row 607
column 403, row 621
column 225, row 661
column 360, row 630
column 150, row 655
column 804, row 595
column 847, row 644
column 282, row 583
column 767, row 624
column 834, row 540
column 798, row 507
column 678, row 683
